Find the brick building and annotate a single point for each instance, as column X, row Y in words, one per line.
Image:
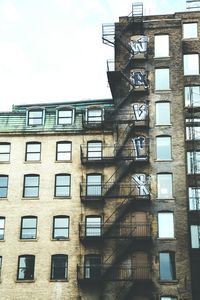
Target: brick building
column 100, row 199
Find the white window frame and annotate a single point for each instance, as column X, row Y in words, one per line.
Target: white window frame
column 164, row 83
column 166, row 118
column 161, row 45
column 166, row 225
column 164, row 192
column 191, row 64
column 188, row 33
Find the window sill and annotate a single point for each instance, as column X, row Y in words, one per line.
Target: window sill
column 168, row 282
column 31, row 198
column 165, row 199
column 63, row 161
column 159, row 125
column 166, row 239
column 25, row 281
column 62, row 198
column 161, row 57
column 4, row 162
column 58, row 280
column 163, row 160
column 190, row 38
column 2, row 198
column 59, row 240
column 162, row 91
column 28, row 240
column 32, row 162
column 1, row 241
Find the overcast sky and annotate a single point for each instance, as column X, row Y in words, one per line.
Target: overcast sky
column 52, row 51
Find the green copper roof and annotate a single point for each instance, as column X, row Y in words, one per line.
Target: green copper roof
column 16, row 122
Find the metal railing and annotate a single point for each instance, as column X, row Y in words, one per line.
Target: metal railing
column 115, row 231
column 118, row 273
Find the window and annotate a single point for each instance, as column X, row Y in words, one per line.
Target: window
column 4, row 152
column 3, row 186
column 163, row 147
column 165, row 225
column 167, row 266
column 33, row 151
column 2, row 228
column 168, row 298
column 63, row 151
column 26, row 265
column 193, row 162
column 161, row 45
column 61, row 227
column 94, row 150
column 59, row 267
column 28, row 227
column 164, row 186
column 193, row 133
column 163, row 113
column 192, row 96
column 92, row 266
column 95, row 115
column 194, row 198
column 190, row 30
column 93, row 226
column 65, row 117
column 191, row 64
column 94, row 184
column 31, row 186
column 62, row 185
column 35, row 117
column 195, row 235
column 0, row 266
column 162, row 79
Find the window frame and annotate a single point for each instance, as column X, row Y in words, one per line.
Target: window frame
column 157, row 108
column 190, row 92
column 96, row 229
column 192, row 193
column 169, row 148
column 172, row 265
column 164, row 46
column 5, row 153
column 168, row 298
column 29, row 111
column 187, row 64
column 158, row 88
column 2, row 229
column 66, row 152
column 27, row 153
column 27, row 228
column 71, row 117
column 89, row 151
column 1, row 259
column 26, row 256
column 169, row 194
column 194, row 233
column 96, row 187
column 68, row 186
column 56, row 256
column 92, row 271
column 193, row 156
column 4, row 187
column 54, row 237
column 170, row 225
column 186, row 35
column 36, row 187
column 94, row 119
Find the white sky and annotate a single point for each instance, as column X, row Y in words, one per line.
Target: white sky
column 52, row 50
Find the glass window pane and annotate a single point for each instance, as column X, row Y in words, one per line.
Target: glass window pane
column 94, row 115
column 167, row 266
column 62, row 191
column 59, row 267
column 94, row 150
column 194, row 198
column 163, row 148
column 161, row 45
column 192, row 96
column 195, row 235
column 4, row 152
column 163, row 113
column 31, row 181
column 93, row 226
column 191, row 64
column 164, row 185
column 166, row 231
column 29, row 222
column 162, row 79
column 62, row 180
column 190, row 30
column 193, row 133
column 193, row 162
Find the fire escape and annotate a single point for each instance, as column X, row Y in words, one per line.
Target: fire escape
column 123, row 235
column 192, row 123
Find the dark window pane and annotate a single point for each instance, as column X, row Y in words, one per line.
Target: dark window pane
column 26, row 267
column 59, row 267
column 167, row 266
